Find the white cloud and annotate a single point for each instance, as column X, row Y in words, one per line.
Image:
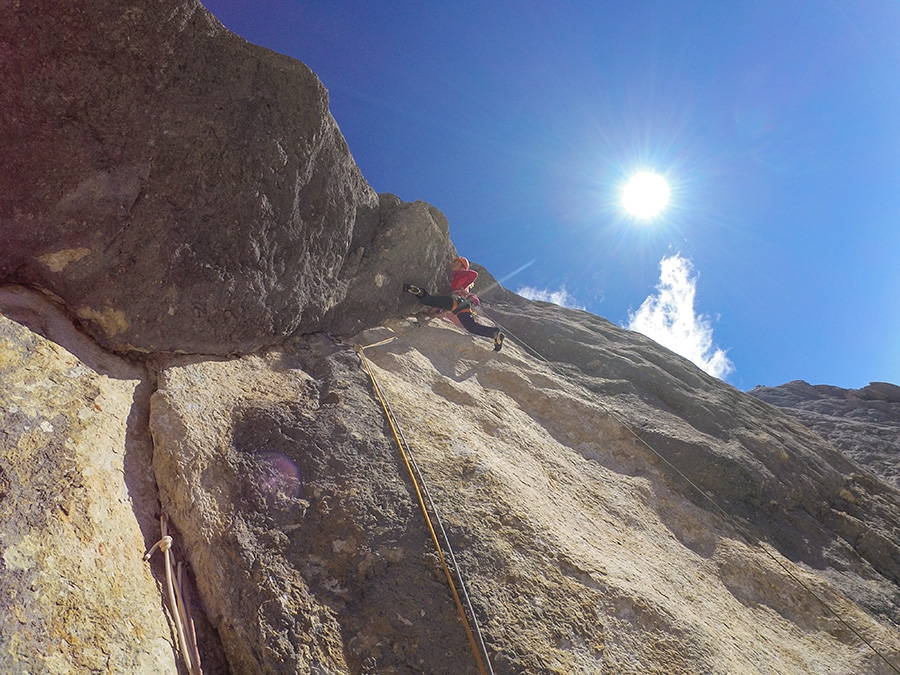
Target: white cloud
column 559, row 297
column 669, row 318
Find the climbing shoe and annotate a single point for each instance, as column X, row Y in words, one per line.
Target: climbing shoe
column 415, row 290
column 498, row 341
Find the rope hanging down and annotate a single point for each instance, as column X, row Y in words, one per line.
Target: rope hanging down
column 469, row 619
column 749, row 536
column 181, row 612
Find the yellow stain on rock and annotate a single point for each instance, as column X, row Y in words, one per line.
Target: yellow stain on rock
column 112, row 321
column 846, row 495
column 57, row 261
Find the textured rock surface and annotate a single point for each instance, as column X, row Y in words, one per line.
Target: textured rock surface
column 76, row 488
column 562, row 487
column 278, row 473
column 586, row 551
column 613, row 528
column 206, row 201
column 863, row 423
column 613, row 508
column 412, row 246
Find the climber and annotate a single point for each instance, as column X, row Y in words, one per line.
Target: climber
column 461, row 283
column 463, row 277
column 460, row 304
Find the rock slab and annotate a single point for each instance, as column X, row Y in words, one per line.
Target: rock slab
column 863, row 423
column 76, row 490
column 302, row 532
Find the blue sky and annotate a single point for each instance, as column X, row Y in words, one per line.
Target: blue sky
column 776, row 124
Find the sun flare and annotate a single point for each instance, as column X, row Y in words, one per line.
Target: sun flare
column 645, row 195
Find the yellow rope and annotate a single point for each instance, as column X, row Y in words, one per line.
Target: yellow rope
column 484, row 669
column 750, row 537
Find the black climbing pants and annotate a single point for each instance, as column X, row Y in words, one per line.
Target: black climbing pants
column 463, row 311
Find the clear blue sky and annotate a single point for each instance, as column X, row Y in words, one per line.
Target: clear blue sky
column 775, row 122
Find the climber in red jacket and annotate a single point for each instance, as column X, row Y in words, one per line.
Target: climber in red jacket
column 460, row 302
column 463, row 277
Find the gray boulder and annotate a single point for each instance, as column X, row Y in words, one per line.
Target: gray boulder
column 411, row 245
column 207, row 200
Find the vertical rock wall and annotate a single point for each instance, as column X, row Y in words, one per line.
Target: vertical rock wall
column 179, row 190
column 77, row 504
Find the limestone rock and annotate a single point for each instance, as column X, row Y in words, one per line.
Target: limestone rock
column 570, row 488
column 412, row 245
column 303, row 534
column 76, row 489
column 179, row 188
column 863, row 423
column 574, row 486
column 613, row 508
column 573, row 477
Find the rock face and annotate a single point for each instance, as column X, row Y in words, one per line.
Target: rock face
column 76, row 491
column 863, row 423
column 170, row 188
column 574, row 486
column 412, row 245
column 180, row 189
column 288, row 489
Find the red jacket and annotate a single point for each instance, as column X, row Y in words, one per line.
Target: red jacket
column 462, row 279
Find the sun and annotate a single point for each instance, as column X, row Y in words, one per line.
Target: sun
column 645, row 195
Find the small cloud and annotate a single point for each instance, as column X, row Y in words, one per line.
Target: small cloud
column 559, row 297
column 669, row 318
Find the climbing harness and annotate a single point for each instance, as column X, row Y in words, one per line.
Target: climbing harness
column 746, row 533
column 467, row 613
column 461, row 305
column 179, row 608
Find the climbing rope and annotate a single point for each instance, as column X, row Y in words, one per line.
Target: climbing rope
column 753, row 540
column 180, row 610
column 473, row 631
